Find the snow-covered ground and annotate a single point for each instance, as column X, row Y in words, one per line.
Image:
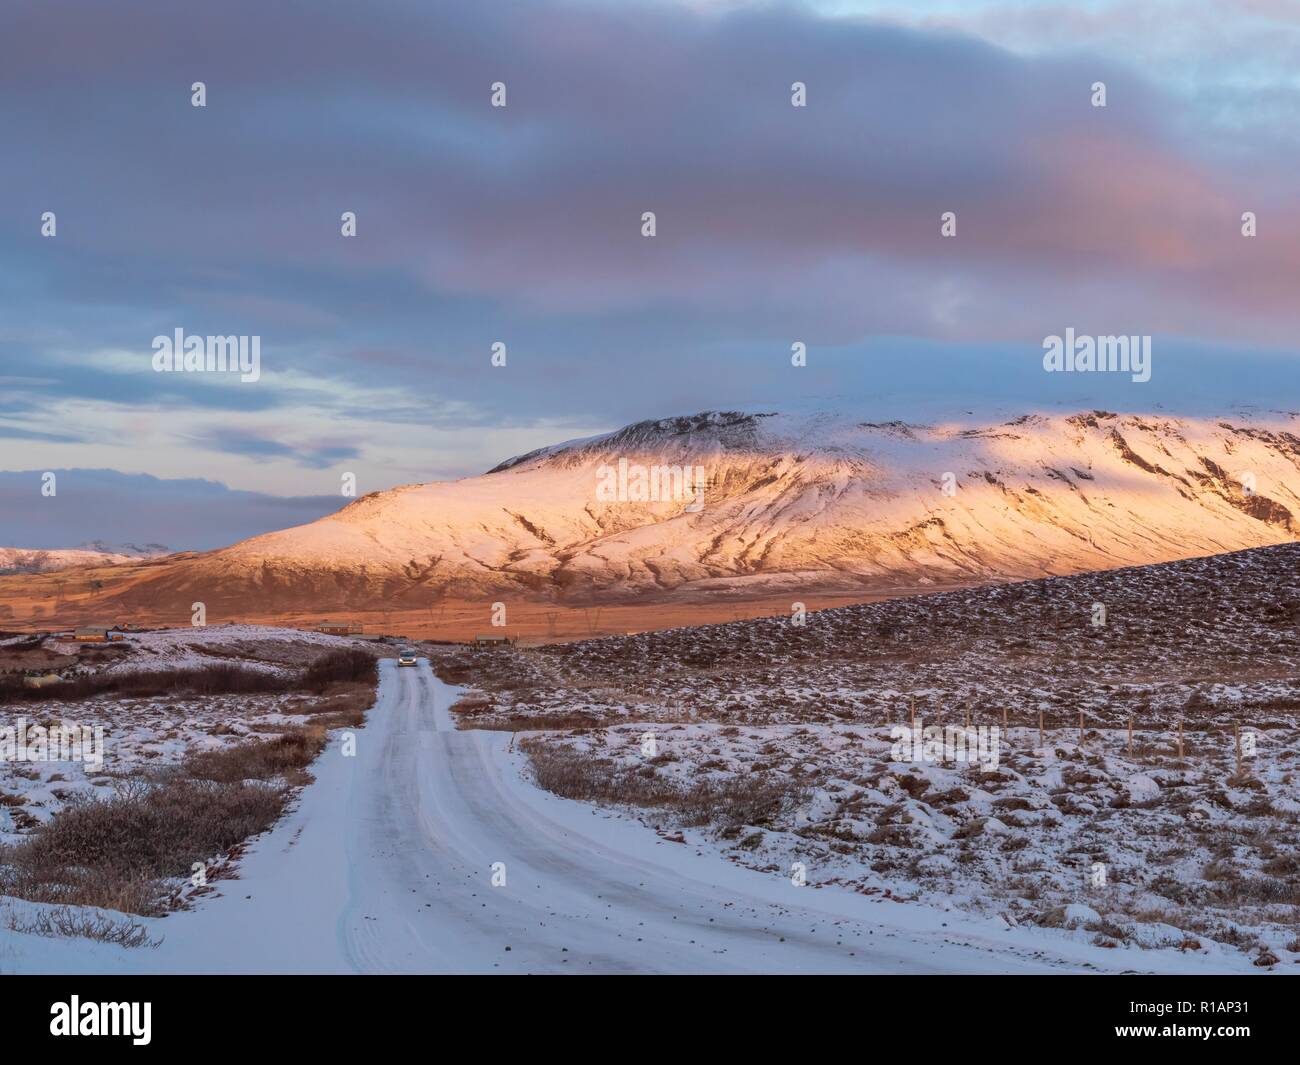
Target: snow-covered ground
column 388, row 864
column 263, row 647
column 1146, row 849
column 1190, row 853
column 138, row 735
column 149, row 732
column 1209, row 640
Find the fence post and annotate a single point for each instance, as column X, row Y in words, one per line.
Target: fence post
column 1130, row 735
column 1236, row 736
column 1180, row 741
column 1040, row 726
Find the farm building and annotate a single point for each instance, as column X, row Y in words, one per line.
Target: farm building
column 339, row 628
column 492, row 641
column 91, row 634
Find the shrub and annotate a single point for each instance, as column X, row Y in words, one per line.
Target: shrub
column 216, row 679
column 754, row 799
column 113, row 852
column 349, row 664
column 66, row 921
column 284, row 756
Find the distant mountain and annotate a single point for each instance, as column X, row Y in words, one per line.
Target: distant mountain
column 126, row 550
column 122, row 510
column 791, row 503
column 24, row 560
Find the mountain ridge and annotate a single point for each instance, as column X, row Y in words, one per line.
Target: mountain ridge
column 792, row 502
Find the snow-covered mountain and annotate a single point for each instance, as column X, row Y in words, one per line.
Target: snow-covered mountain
column 40, row 560
column 127, row 550
column 790, row 503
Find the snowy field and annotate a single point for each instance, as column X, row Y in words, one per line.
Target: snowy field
column 139, row 735
column 142, row 734
column 282, row 651
column 1208, row 641
column 183, row 709
column 431, row 851
column 1147, row 848
column 720, row 769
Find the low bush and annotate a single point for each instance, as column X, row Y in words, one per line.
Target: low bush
column 754, row 799
column 217, row 678
column 349, row 664
column 285, row 756
column 68, row 921
column 114, row 852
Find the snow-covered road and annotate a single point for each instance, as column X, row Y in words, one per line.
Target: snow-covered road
column 387, row 865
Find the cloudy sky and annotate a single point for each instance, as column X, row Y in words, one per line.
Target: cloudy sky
column 522, row 225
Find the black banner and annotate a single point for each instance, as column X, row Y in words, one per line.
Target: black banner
column 340, row 1013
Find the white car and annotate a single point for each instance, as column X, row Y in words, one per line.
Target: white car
column 406, row 658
